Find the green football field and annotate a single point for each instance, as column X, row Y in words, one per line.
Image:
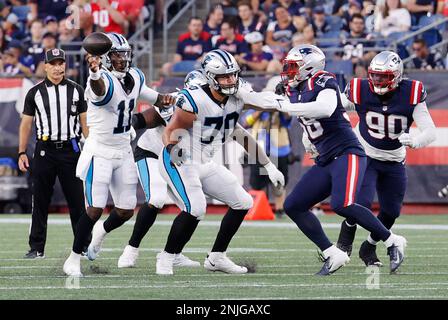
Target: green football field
column 284, row 259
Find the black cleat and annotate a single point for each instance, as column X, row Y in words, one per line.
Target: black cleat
column 34, row 254
column 367, row 253
column 325, row 271
column 396, row 258
column 346, row 238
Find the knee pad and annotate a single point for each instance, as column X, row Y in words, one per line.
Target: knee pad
column 244, row 203
column 198, row 209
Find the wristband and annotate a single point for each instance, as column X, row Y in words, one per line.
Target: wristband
column 95, row 75
column 20, row 153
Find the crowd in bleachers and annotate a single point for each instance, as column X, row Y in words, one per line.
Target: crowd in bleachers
column 259, row 33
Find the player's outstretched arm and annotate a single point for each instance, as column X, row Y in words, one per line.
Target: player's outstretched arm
column 426, row 126
column 155, row 98
column 256, row 152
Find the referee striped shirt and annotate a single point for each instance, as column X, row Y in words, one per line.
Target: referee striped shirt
column 56, row 109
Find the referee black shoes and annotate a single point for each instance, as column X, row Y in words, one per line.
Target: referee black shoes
column 34, row 254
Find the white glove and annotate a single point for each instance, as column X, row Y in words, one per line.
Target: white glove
column 309, row 147
column 443, row 192
column 275, row 175
column 407, row 140
column 178, row 154
column 133, row 133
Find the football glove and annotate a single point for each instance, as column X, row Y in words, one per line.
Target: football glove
column 407, row 140
column 443, row 192
column 280, row 89
column 276, row 177
column 178, row 155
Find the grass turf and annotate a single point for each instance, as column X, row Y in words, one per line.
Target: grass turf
column 285, row 263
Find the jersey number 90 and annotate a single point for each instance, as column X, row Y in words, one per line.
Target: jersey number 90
column 382, row 125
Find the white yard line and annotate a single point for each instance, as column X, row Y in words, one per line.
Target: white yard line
column 255, row 224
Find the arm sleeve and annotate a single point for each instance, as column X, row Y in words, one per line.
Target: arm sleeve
column 29, row 108
column 148, row 94
column 324, row 106
column 425, row 124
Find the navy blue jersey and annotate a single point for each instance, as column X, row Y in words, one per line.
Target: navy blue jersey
column 382, row 119
column 332, row 136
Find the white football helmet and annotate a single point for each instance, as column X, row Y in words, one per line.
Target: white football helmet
column 218, row 63
column 301, row 63
column 385, row 72
column 123, row 51
column 195, row 78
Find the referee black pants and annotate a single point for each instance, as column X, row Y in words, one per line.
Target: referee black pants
column 49, row 163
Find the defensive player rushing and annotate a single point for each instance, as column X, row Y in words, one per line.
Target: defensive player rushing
column 386, row 105
column 315, row 98
column 155, row 187
column 205, row 117
column 106, row 163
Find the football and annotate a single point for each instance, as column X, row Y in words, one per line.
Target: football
column 97, row 43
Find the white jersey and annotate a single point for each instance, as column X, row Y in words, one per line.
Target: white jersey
column 109, row 116
column 215, row 121
column 151, row 139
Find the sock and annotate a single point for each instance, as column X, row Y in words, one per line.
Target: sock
column 311, row 227
column 347, row 233
column 365, row 218
column 114, row 221
column 145, row 219
column 229, row 226
column 181, row 231
column 386, row 220
column 83, row 232
column 371, row 241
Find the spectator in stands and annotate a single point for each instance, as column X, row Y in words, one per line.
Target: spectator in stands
column 420, row 8
column 51, row 25
column 423, row 58
column 44, row 8
column 354, row 7
column 3, row 41
column 35, row 48
column 442, row 7
column 191, row 46
column 15, row 63
column 11, row 27
column 131, row 10
column 49, row 41
column 214, row 19
column 116, row 16
column 248, row 21
column 319, row 22
column 294, row 8
column 65, row 40
column 306, row 37
column 279, row 33
column 392, row 18
column 231, row 42
column 356, row 44
column 229, row 8
column 368, row 12
column 257, row 59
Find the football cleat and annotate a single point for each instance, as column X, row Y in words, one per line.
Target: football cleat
column 182, row 261
column 34, row 254
column 98, row 235
column 335, row 259
column 218, row 261
column 367, row 253
column 396, row 252
column 164, row 265
column 128, row 258
column 72, row 266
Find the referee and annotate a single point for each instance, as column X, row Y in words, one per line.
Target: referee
column 58, row 109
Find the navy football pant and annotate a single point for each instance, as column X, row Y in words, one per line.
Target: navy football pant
column 389, row 180
column 341, row 179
